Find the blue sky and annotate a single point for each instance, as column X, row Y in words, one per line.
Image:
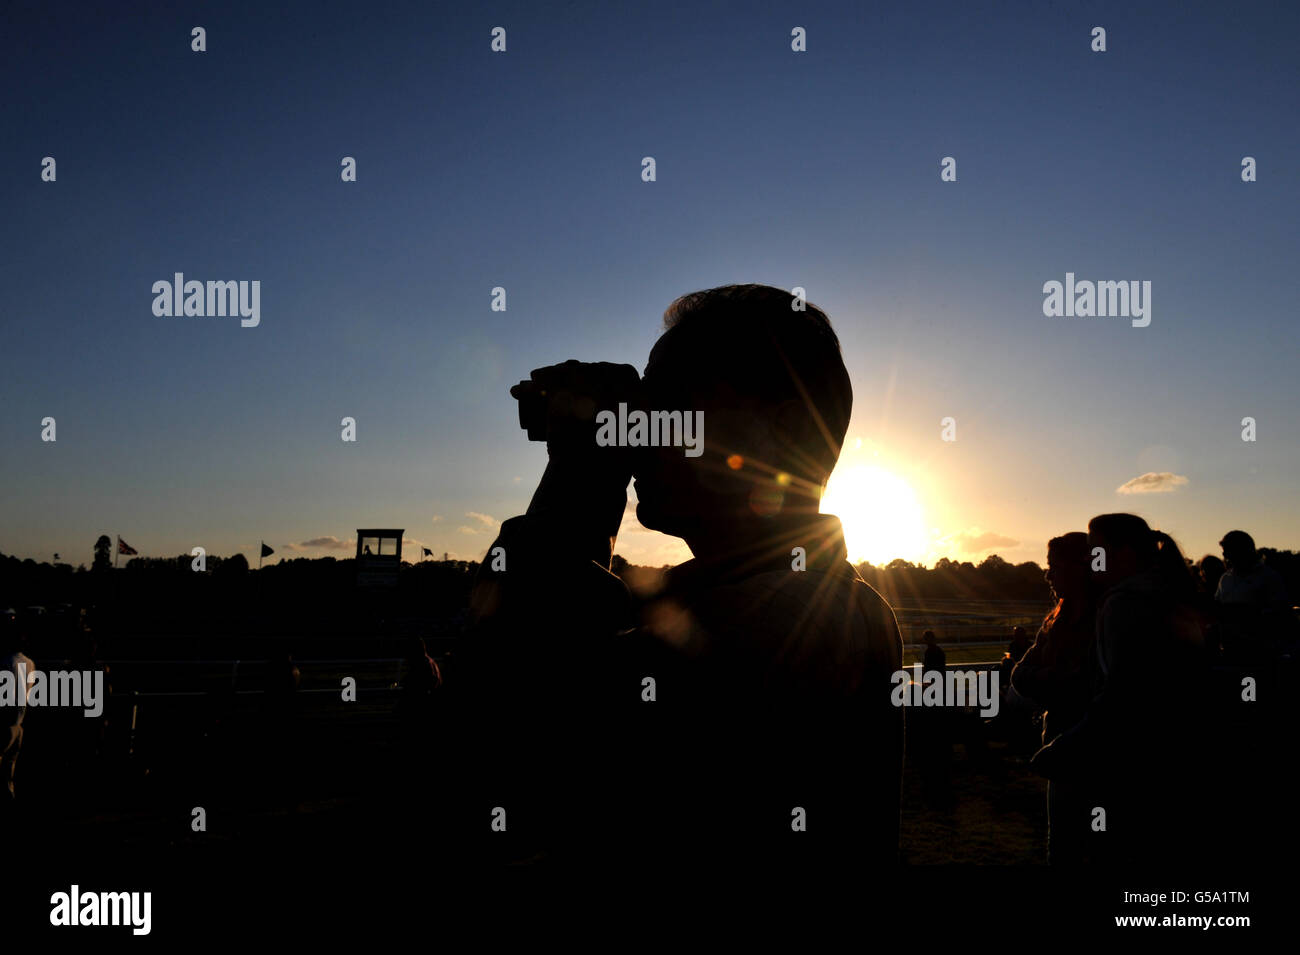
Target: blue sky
column 478, row 169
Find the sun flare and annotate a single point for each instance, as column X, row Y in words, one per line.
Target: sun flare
column 881, row 514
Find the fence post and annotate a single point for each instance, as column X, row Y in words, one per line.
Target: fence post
column 135, row 710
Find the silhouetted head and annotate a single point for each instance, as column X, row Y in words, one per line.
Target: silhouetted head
column 1067, row 565
column 1210, row 569
column 1131, row 547
column 1127, row 544
column 928, row 638
column 1239, row 550
column 776, row 400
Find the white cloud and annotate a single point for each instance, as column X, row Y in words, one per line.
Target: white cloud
column 1153, row 482
column 322, row 543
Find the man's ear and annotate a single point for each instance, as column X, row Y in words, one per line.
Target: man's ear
column 790, row 421
column 797, row 438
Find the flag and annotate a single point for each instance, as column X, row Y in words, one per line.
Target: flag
column 124, row 548
column 266, row 551
column 427, row 552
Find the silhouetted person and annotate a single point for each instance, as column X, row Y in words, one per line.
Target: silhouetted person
column 1207, row 575
column 421, row 757
column 1209, row 571
column 929, row 733
column 420, row 682
column 280, row 707
column 283, row 678
column 744, row 712
column 1141, row 746
column 1058, row 673
column 22, row 671
column 1248, row 580
column 1252, row 606
column 935, row 658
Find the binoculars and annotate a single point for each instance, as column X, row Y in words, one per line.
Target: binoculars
column 573, row 392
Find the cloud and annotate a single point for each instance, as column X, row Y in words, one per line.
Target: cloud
column 436, row 518
column 970, row 543
column 487, row 520
column 1153, row 482
column 468, row 530
column 321, row 543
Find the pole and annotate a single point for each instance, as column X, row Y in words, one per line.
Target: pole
column 260, row 546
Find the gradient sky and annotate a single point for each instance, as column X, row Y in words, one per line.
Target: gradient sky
column 522, row 170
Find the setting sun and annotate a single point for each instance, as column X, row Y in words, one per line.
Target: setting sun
column 881, row 514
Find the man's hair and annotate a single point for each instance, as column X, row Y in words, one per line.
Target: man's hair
column 754, row 341
column 1238, row 540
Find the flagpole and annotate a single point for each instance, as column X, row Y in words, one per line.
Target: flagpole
column 261, row 545
column 117, row 551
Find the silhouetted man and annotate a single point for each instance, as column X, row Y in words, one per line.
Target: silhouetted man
column 935, row 658
column 1251, row 602
column 744, row 712
column 1248, row 580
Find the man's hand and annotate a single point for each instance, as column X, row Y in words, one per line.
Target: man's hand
column 572, row 393
column 585, row 485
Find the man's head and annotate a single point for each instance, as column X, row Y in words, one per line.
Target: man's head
column 1239, row 550
column 776, row 399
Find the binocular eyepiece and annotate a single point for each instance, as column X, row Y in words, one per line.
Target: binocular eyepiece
column 532, row 409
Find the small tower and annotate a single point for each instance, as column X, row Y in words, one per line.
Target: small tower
column 379, row 555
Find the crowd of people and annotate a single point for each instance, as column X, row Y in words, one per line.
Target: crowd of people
column 1138, row 737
